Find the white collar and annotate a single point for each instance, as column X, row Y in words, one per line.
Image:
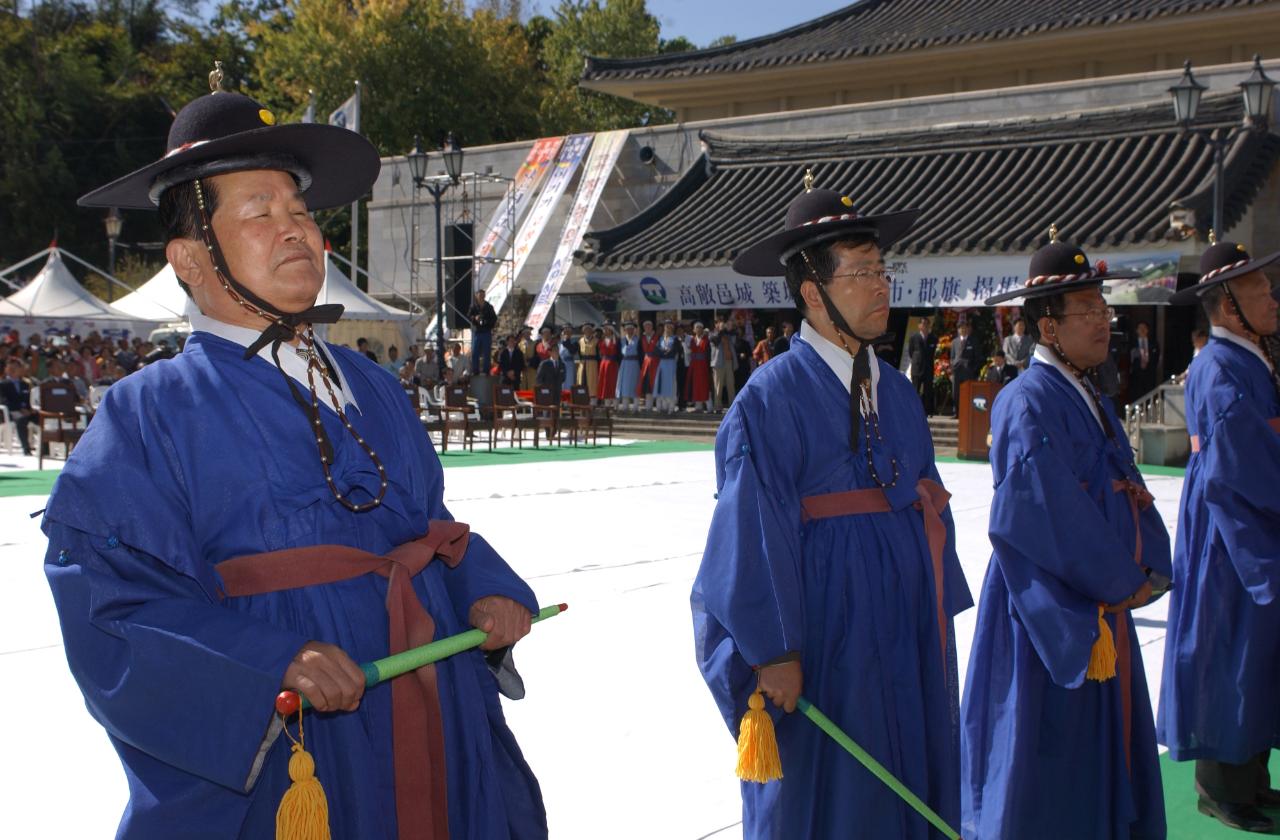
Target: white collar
column 290, row 361
column 1227, row 335
column 1046, row 356
column 841, row 363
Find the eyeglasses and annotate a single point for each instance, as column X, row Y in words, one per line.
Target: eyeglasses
column 1097, row 315
column 867, row 275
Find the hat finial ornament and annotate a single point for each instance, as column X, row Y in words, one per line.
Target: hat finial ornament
column 215, row 78
column 1213, row 237
column 1053, row 233
column 808, row 179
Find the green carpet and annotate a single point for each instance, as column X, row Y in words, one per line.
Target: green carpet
column 32, row 483
column 1185, row 822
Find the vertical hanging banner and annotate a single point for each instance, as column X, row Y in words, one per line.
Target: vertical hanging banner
column 498, row 234
column 517, row 197
column 571, row 154
column 604, row 154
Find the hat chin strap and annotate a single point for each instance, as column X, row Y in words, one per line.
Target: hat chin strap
column 283, row 326
column 1254, row 335
column 834, row 314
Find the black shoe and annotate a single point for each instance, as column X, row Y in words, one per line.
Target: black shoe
column 1269, row 798
column 1241, row 817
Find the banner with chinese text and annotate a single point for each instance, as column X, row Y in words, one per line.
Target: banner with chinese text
column 571, row 154
column 595, row 174
column 923, row 282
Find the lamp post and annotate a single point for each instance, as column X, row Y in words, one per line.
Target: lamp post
column 452, row 153
column 418, row 170
column 1257, row 93
column 114, row 222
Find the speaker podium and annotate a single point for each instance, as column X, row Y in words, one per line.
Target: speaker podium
column 976, row 398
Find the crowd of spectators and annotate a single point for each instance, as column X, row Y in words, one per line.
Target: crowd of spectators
column 569, row 355
column 89, row 365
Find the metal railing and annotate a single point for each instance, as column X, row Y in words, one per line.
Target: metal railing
column 1162, row 406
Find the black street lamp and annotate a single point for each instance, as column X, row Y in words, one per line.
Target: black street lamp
column 452, row 153
column 114, row 223
column 1257, row 92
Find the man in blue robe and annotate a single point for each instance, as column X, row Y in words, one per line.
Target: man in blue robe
column 266, row 452
column 1220, row 697
column 830, row 565
column 1057, row 741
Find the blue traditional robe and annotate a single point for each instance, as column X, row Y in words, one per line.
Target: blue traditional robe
column 570, row 367
column 853, row 595
column 1220, row 697
column 207, row 457
column 664, row 386
column 629, row 371
column 1044, row 751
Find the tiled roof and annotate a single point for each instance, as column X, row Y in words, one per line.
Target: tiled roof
column 1106, row 178
column 878, row 27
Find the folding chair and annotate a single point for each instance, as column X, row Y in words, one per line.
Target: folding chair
column 546, row 412
column 459, row 416
column 509, row 413
column 8, row 432
column 59, row 419
column 601, row 415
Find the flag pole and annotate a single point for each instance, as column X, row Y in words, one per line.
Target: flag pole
column 355, row 205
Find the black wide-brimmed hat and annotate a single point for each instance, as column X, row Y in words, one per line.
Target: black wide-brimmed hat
column 225, row 132
column 1219, row 263
column 814, row 217
column 1060, row 267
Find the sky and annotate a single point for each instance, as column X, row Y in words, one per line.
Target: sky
column 702, row 21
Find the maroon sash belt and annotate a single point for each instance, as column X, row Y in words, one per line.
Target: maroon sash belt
column 933, row 499
column 419, row 756
column 1139, row 500
column 1273, row 422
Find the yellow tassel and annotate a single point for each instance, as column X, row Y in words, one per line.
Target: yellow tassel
column 758, row 759
column 1102, row 660
column 304, row 811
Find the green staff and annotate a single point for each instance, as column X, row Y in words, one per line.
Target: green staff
column 381, row 670
column 877, row 769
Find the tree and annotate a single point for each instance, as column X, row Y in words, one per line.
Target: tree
column 581, row 28
column 425, row 68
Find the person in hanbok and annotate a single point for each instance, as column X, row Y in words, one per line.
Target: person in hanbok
column 568, row 351
column 241, row 519
column 629, row 369
column 649, row 363
column 699, row 377
column 589, row 360
column 1058, row 737
column 830, row 566
column 1220, row 695
column 528, row 349
column 664, row 384
column 610, row 357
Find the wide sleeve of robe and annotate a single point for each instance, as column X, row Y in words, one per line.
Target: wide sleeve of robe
column 747, row 599
column 1059, row 556
column 163, row 666
column 1240, row 462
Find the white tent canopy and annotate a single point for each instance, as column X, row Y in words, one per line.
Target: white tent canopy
column 158, row 299
column 55, row 302
column 359, row 306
